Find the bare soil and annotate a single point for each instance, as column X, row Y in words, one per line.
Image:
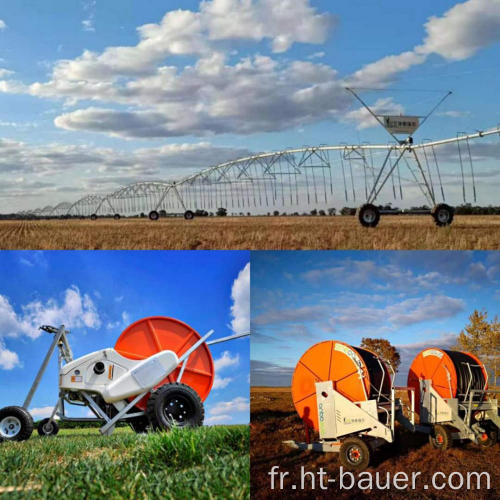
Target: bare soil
column 274, row 419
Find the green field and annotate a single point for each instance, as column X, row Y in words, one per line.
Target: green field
column 208, row 462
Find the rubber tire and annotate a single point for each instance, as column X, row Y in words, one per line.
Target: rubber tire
column 444, row 432
column 43, row 432
column 23, row 415
column 139, row 425
column 93, row 217
column 188, row 215
column 361, row 211
column 117, row 217
column 492, row 432
column 154, row 409
column 153, row 215
column 363, row 449
column 440, row 208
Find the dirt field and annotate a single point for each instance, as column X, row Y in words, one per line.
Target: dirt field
column 273, row 420
column 253, row 233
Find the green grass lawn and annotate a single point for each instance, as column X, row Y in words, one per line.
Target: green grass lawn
column 208, row 462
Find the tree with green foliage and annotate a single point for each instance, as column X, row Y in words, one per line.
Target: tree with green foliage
column 482, row 338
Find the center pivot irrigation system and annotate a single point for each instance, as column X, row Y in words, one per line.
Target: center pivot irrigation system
column 347, row 395
column 157, row 375
column 299, row 179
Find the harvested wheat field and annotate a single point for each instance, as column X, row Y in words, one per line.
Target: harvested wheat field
column 274, row 419
column 253, row 233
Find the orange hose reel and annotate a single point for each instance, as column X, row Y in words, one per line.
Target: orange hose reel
column 436, row 365
column 148, row 336
column 342, row 364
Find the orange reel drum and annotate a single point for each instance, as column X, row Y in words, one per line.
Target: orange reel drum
column 151, row 335
column 341, row 363
column 438, row 366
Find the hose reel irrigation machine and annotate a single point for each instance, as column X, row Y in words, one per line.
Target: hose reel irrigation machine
column 158, row 375
column 346, row 394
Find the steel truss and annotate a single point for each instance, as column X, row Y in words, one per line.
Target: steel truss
column 294, row 179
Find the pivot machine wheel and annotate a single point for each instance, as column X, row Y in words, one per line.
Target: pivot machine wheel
column 154, row 215
column 116, row 216
column 175, row 405
column 443, row 214
column 368, row 215
column 355, row 454
column 188, row 215
column 16, row 424
column 93, row 217
column 441, row 438
column 47, row 428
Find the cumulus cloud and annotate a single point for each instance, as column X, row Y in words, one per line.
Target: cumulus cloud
column 226, row 360
column 2, row 25
column 458, row 34
column 43, row 412
column 75, row 310
column 8, row 359
column 240, row 295
column 238, row 404
column 363, row 119
column 32, row 172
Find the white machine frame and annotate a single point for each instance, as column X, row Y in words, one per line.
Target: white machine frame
column 81, row 397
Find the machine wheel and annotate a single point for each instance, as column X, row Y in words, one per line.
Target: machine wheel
column 139, row 424
column 153, row 215
column 116, row 216
column 443, row 214
column 490, row 437
column 46, row 428
column 355, row 454
column 441, row 438
column 93, row 217
column 368, row 215
column 16, row 424
column 188, row 215
column 175, row 405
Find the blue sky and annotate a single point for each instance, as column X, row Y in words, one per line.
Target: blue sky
column 98, row 294
column 97, row 94
column 413, row 299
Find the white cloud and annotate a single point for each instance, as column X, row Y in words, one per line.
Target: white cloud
column 221, row 382
column 5, row 72
column 363, row 118
column 88, row 25
column 240, row 294
column 226, row 360
column 75, row 311
column 2, row 25
column 238, row 404
column 456, row 35
column 8, row 359
column 217, row 419
column 43, row 412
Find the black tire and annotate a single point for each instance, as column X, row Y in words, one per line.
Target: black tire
column 440, row 437
column 139, row 424
column 93, row 217
column 443, row 214
column 188, row 215
column 368, row 215
column 16, row 424
column 153, row 215
column 355, row 454
column 47, row 429
column 185, row 408
column 116, row 217
column 490, row 437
